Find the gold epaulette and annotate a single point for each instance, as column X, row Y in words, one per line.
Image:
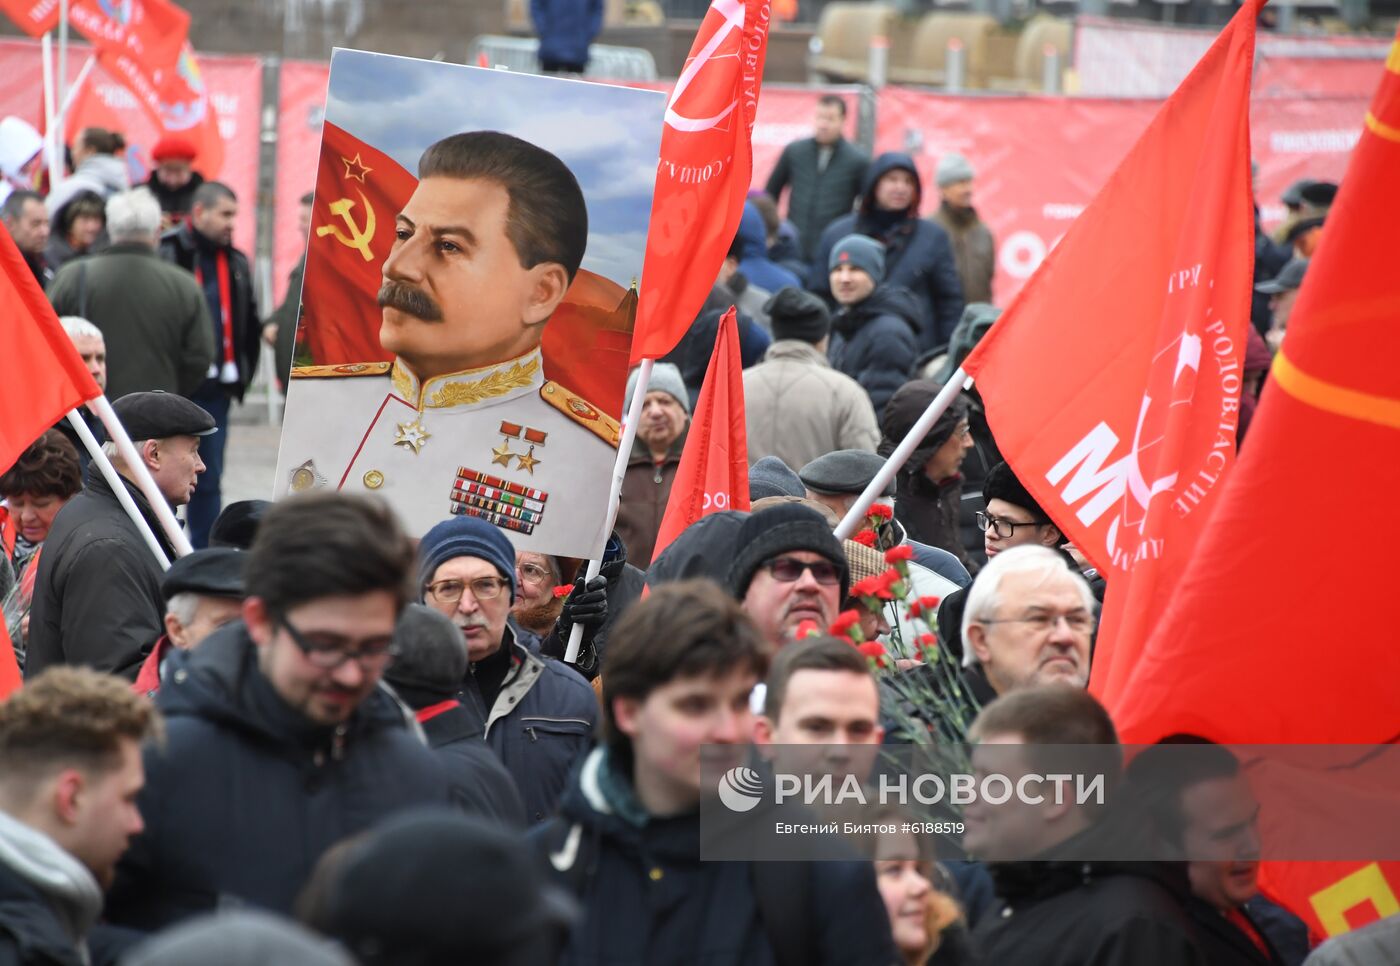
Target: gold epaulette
column 341, row 372
column 582, row 412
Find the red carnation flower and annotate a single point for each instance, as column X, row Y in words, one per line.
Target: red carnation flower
column 563, row 590
column 845, row 621
column 807, row 628
column 866, row 538
column 899, row 553
column 880, row 512
column 875, row 651
column 871, row 587
column 924, row 607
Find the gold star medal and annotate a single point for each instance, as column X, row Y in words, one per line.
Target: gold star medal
column 503, row 454
column 412, row 435
column 527, row 462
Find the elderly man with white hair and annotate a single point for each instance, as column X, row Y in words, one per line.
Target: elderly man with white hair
column 151, row 314
column 1029, row 620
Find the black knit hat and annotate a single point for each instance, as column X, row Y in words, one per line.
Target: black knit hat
column 1001, row 484
column 778, row 530
column 795, row 314
column 431, row 657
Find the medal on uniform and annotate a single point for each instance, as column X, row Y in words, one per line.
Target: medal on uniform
column 412, row 435
column 528, row 462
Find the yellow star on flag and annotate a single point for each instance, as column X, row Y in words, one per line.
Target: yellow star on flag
column 356, row 168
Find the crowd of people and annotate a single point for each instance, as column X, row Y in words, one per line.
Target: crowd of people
column 317, row 740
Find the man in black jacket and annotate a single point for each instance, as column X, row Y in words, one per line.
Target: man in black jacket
column 824, row 171
column 281, row 741
column 204, row 246
column 70, row 767
column 1060, row 903
column 97, row 597
column 918, row 253
column 678, row 676
column 427, row 674
column 875, row 329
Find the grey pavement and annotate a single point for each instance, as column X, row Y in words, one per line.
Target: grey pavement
column 250, row 459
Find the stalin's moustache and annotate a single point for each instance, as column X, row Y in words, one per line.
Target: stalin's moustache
column 406, row 298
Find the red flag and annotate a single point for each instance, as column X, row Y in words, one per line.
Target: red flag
column 714, row 470
column 704, row 173
column 34, row 17
column 175, row 99
column 41, row 378
column 1285, row 603
column 150, row 32
column 1113, row 380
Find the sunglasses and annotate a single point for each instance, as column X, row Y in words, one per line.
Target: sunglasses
column 788, row 570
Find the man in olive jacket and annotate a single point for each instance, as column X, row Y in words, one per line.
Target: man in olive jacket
column 152, row 314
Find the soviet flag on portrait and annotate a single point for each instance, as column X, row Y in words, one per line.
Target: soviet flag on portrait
column 470, row 291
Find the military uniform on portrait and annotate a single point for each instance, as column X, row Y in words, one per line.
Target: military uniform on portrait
column 500, row 442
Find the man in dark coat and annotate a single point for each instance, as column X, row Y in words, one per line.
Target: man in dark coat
column 874, row 331
column 204, row 246
column 918, row 254
column 678, row 675
column 281, row 741
column 825, row 173
column 1059, row 903
column 930, row 483
column 974, row 250
column 153, row 319
column 427, row 673
column 537, row 713
column 97, row 596
column 566, row 28
column 656, row 456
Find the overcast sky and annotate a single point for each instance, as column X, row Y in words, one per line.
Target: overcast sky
column 610, row 137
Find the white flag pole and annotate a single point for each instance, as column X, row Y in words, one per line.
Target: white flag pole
column 53, row 147
column 71, row 94
column 624, row 453
column 61, row 75
column 117, row 433
column 851, row 522
column 114, row 480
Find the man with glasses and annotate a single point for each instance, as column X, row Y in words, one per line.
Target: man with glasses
column 789, row 568
column 280, row 740
column 1012, row 517
column 1029, row 620
column 537, row 713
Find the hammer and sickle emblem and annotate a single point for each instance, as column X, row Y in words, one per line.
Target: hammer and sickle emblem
column 359, row 238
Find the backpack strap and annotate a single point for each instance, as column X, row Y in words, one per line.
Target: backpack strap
column 783, row 891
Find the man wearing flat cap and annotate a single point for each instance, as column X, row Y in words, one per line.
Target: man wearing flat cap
column 1282, row 291
column 837, row 479
column 203, row 592
column 97, row 595
column 796, row 405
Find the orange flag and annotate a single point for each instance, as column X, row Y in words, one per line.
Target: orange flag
column 1280, row 629
column 704, row 174
column 714, row 470
column 41, row 378
column 1112, row 382
column 34, row 17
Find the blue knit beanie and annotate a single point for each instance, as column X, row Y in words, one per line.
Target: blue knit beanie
column 465, row 536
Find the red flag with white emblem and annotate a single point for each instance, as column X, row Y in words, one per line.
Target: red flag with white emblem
column 1112, row 383
column 714, row 470
column 704, row 174
column 34, row 17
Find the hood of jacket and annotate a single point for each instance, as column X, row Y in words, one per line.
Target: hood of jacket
column 220, row 682
column 895, row 300
column 71, row 890
column 753, row 234
column 602, row 801
column 882, row 165
column 703, row 549
column 107, row 170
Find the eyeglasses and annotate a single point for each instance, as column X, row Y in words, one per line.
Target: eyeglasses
column 1001, row 527
column 450, row 591
column 788, row 570
column 532, row 574
column 1077, row 621
column 331, row 654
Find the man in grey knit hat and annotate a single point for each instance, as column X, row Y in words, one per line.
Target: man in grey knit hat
column 656, row 455
column 797, row 406
column 974, row 249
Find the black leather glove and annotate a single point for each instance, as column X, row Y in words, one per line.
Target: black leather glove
column 587, row 605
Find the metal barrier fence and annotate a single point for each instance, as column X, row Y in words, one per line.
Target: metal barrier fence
column 520, row 54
